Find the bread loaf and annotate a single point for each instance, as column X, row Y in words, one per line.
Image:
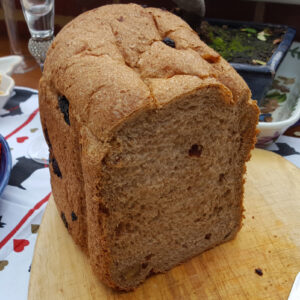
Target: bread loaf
column 149, row 130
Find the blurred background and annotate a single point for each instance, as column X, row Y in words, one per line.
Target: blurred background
column 274, row 11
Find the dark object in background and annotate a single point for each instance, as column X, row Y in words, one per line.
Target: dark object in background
column 191, row 11
column 5, row 165
column 244, row 45
column 194, row 6
column 259, row 78
column 192, row 19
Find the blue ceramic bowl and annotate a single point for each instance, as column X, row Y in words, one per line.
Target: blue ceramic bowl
column 5, row 164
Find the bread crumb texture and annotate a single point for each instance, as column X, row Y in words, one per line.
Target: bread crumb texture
column 149, row 130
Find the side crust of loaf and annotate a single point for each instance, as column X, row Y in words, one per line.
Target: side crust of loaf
column 116, row 100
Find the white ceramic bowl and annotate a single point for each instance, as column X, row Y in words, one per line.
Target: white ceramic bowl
column 282, row 102
column 283, row 105
column 9, row 63
column 6, row 87
column 269, row 132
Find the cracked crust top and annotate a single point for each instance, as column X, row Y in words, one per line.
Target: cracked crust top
column 112, row 56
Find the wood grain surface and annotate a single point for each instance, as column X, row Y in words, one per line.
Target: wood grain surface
column 269, row 240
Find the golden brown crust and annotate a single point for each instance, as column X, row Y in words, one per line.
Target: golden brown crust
column 111, row 63
column 165, row 90
column 124, row 42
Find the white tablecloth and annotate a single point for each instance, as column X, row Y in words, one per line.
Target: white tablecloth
column 24, row 199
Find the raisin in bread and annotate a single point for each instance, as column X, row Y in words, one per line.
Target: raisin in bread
column 149, row 130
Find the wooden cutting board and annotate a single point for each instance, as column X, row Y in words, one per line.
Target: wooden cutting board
column 269, row 240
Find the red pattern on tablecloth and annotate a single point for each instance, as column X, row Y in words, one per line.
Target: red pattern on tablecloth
column 24, row 199
column 30, row 118
column 23, row 220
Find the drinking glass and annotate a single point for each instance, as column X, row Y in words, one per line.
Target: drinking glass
column 39, row 16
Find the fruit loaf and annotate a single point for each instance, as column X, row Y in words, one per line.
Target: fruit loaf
column 149, row 130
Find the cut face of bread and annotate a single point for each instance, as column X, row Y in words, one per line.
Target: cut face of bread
column 171, row 184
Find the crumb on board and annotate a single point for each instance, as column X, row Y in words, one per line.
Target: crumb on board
column 259, row 271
